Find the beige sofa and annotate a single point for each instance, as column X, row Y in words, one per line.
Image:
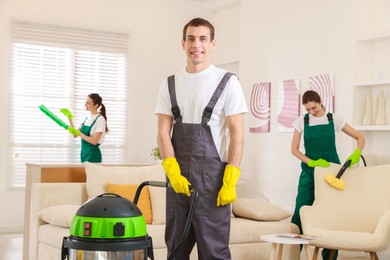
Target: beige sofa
column 50, row 208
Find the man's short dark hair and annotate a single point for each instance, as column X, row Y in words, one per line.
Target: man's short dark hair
column 196, row 22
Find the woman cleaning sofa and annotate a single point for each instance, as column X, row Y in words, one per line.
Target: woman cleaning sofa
column 318, row 129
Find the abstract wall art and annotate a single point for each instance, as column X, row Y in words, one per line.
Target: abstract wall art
column 324, row 86
column 288, row 104
column 260, row 107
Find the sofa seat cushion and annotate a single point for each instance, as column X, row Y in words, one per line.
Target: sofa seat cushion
column 52, row 235
column 249, row 231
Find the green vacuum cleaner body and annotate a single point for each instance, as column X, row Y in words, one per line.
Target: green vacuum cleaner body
column 108, row 227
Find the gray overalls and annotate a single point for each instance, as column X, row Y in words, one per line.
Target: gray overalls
column 200, row 163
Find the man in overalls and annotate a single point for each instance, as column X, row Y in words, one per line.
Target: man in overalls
column 204, row 105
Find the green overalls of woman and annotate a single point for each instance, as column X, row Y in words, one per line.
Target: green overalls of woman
column 89, row 152
column 319, row 142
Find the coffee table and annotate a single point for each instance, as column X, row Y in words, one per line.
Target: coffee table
column 278, row 240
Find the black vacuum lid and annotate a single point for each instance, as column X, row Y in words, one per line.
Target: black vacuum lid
column 109, row 205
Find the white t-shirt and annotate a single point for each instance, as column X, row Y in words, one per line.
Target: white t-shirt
column 98, row 127
column 193, row 93
column 338, row 122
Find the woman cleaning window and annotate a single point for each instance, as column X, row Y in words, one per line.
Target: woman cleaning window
column 92, row 130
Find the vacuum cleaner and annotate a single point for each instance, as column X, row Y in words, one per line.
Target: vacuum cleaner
column 111, row 227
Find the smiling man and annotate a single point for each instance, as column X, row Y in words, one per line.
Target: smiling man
column 201, row 137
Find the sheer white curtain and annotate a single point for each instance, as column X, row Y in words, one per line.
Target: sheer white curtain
column 58, row 67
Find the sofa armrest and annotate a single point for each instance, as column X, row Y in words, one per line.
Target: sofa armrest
column 382, row 230
column 44, row 195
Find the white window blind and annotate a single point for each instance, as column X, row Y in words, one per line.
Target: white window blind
column 58, row 67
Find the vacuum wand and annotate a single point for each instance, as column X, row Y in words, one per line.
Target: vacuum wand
column 342, row 170
column 52, row 116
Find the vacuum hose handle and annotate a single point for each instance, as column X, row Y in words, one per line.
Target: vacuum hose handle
column 150, row 183
column 342, row 170
column 162, row 184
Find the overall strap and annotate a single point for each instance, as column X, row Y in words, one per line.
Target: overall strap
column 172, row 93
column 306, row 119
column 329, row 116
column 217, row 93
column 94, row 121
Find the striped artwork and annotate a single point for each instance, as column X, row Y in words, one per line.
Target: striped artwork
column 260, row 107
column 288, row 104
column 323, row 85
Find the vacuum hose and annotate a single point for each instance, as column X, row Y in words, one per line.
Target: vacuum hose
column 187, row 226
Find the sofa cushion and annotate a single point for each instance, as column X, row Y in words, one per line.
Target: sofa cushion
column 60, row 215
column 99, row 175
column 128, row 191
column 249, row 231
column 258, row 210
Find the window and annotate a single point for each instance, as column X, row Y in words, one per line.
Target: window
column 58, row 67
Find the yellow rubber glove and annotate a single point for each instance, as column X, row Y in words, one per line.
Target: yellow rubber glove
column 179, row 182
column 319, row 162
column 354, row 157
column 73, row 131
column 227, row 193
column 66, row 113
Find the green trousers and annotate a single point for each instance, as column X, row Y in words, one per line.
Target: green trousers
column 306, row 197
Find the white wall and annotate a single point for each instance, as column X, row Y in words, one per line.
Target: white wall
column 283, row 40
column 155, row 52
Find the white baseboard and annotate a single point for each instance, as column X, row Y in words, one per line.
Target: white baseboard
column 14, row 229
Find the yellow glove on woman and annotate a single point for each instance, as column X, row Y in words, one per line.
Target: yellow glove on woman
column 227, row 193
column 178, row 182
